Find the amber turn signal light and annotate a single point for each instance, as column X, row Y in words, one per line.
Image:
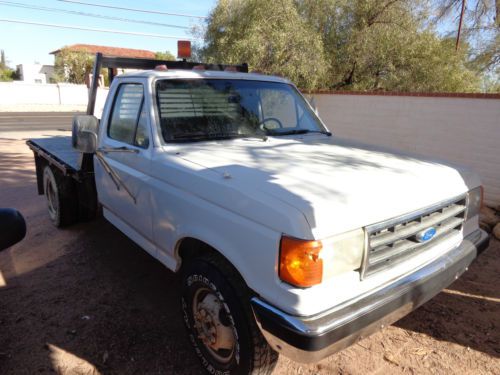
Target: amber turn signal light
column 300, row 262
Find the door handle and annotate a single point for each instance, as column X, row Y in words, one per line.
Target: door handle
column 106, row 150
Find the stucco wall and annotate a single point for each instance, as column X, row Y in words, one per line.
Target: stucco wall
column 463, row 130
column 36, row 93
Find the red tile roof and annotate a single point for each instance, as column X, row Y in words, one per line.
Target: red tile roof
column 109, row 51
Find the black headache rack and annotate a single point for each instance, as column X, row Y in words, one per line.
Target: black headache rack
column 113, row 63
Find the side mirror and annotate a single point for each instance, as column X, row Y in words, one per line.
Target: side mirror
column 12, row 227
column 84, row 133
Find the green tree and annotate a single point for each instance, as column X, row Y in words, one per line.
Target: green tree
column 164, row 56
column 383, row 45
column 6, row 74
column 339, row 44
column 481, row 27
column 270, row 36
column 3, row 62
column 73, row 66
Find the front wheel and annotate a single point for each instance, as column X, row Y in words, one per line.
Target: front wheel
column 219, row 321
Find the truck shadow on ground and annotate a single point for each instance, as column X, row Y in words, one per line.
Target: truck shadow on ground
column 102, row 306
column 468, row 311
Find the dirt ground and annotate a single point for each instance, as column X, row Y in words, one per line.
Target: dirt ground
column 86, row 300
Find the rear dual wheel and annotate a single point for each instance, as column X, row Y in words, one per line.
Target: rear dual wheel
column 61, row 197
column 219, row 320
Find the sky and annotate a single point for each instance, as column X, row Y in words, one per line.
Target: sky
column 30, row 43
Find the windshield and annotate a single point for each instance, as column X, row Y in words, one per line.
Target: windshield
column 202, row 109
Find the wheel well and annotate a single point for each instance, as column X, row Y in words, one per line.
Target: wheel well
column 190, row 248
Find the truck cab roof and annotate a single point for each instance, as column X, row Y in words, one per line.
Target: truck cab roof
column 201, row 74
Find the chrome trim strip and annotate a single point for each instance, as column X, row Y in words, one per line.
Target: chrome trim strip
column 366, row 250
column 467, row 203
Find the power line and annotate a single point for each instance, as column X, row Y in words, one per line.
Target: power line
column 96, row 30
column 132, row 9
column 47, row 9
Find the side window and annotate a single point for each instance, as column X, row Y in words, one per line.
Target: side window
column 279, row 105
column 125, row 116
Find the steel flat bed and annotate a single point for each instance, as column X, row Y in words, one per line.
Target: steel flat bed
column 59, row 152
column 76, row 174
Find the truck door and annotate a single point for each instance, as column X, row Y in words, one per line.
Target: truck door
column 122, row 162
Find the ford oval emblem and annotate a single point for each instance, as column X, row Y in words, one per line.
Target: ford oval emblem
column 426, row 234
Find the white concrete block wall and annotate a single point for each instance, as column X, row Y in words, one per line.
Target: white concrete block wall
column 35, row 93
column 465, row 131
column 28, row 93
column 73, row 94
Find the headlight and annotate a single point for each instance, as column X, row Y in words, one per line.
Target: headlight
column 306, row 263
column 474, row 202
column 343, row 253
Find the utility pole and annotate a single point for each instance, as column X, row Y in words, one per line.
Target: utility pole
column 3, row 64
column 497, row 8
column 460, row 23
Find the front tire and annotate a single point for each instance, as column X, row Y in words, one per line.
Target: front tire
column 219, row 320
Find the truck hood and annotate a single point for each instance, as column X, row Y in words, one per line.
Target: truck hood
column 337, row 184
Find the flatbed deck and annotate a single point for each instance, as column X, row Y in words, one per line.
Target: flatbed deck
column 58, row 151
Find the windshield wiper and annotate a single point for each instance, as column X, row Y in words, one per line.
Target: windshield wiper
column 298, row 131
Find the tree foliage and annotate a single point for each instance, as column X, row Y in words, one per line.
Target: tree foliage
column 481, row 30
column 270, row 36
column 73, row 66
column 6, row 74
column 164, row 56
column 339, row 44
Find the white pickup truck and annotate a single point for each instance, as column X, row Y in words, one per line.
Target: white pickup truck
column 289, row 240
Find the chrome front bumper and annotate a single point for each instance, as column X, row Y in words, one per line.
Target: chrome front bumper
column 310, row 339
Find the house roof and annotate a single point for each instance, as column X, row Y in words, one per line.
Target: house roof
column 108, row 51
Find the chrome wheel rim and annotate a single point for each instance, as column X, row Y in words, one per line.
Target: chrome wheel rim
column 213, row 325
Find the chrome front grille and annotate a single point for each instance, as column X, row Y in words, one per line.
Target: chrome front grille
column 394, row 240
